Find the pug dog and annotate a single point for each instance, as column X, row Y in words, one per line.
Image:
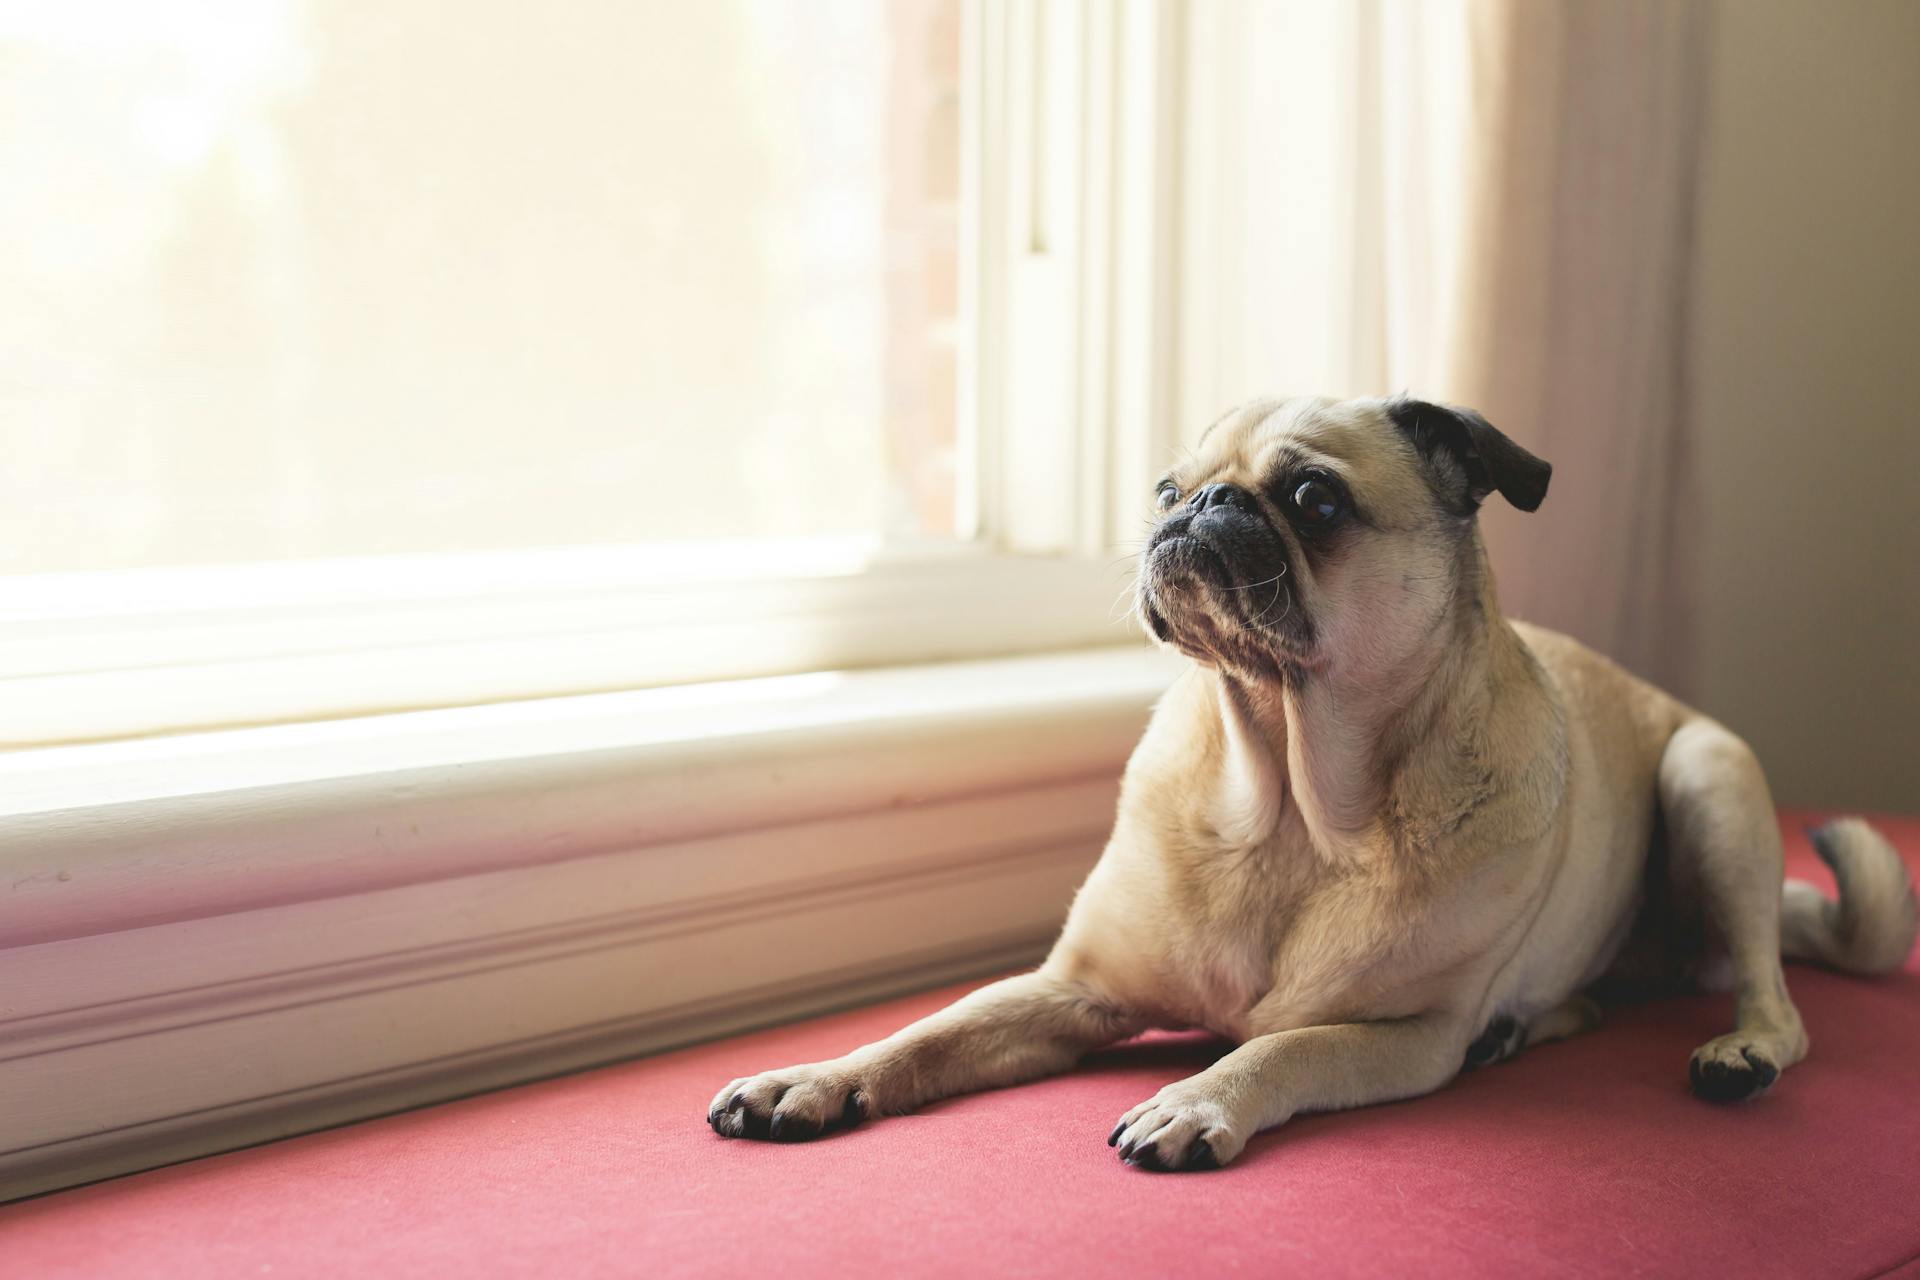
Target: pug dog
column 1378, row 833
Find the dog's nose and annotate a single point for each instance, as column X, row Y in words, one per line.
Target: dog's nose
column 1230, row 495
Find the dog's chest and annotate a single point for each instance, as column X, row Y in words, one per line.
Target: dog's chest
column 1275, row 944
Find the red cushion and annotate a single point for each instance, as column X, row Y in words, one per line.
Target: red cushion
column 1582, row 1158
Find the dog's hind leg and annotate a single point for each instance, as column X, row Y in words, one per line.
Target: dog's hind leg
column 1725, row 848
column 1506, row 1036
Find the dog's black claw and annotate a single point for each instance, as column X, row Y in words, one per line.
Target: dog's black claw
column 1496, row 1043
column 1200, row 1156
column 855, row 1109
column 1765, row 1070
column 1724, row 1082
column 1147, row 1157
column 1117, row 1131
column 791, row 1128
column 719, row 1111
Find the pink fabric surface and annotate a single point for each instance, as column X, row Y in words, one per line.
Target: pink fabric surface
column 1584, row 1158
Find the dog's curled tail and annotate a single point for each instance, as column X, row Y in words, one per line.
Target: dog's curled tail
column 1871, row 928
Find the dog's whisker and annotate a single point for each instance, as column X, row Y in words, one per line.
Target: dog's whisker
column 1263, row 582
column 1277, row 589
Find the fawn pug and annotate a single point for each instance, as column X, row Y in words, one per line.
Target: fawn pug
column 1377, row 832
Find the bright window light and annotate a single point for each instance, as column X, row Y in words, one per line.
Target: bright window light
column 299, row 279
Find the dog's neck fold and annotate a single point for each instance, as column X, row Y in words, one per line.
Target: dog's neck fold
column 1368, row 756
column 1252, row 788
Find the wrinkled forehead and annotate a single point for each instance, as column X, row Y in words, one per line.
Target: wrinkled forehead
column 1354, row 439
column 1247, row 441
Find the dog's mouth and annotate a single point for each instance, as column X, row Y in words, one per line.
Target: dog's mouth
column 1189, row 555
column 1177, row 568
column 1200, row 583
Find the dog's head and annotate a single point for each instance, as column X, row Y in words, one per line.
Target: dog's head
column 1312, row 535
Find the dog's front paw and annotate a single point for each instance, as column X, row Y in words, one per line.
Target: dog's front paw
column 1732, row 1068
column 792, row 1105
column 1183, row 1127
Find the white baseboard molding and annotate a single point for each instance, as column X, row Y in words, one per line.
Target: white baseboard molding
column 549, row 911
column 169, row 1139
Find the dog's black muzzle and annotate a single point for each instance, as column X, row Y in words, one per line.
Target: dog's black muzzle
column 1222, row 537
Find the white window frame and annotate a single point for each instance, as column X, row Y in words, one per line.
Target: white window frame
column 221, row 937
column 1067, row 371
column 102, row 657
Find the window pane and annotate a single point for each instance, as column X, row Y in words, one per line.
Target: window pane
column 285, row 279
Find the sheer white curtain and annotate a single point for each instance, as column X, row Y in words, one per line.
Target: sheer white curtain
column 1573, row 308
column 1487, row 201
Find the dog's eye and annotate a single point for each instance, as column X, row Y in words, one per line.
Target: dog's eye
column 1167, row 496
column 1316, row 502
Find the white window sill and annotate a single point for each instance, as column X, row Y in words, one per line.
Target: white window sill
column 97, row 657
column 218, row 939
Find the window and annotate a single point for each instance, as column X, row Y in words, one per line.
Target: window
column 422, row 358
column 366, row 359
column 319, row 280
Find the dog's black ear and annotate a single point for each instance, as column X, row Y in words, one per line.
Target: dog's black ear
column 1487, row 460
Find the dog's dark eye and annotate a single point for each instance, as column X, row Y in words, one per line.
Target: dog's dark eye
column 1167, row 496
column 1316, row 502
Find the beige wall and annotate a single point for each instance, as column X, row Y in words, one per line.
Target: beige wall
column 1805, row 385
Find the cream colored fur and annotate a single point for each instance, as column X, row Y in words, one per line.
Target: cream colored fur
column 1390, row 832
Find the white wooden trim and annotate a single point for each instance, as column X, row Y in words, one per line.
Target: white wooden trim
column 96, row 657
column 1147, row 142
column 172, row 1137
column 370, row 916
column 1077, row 163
